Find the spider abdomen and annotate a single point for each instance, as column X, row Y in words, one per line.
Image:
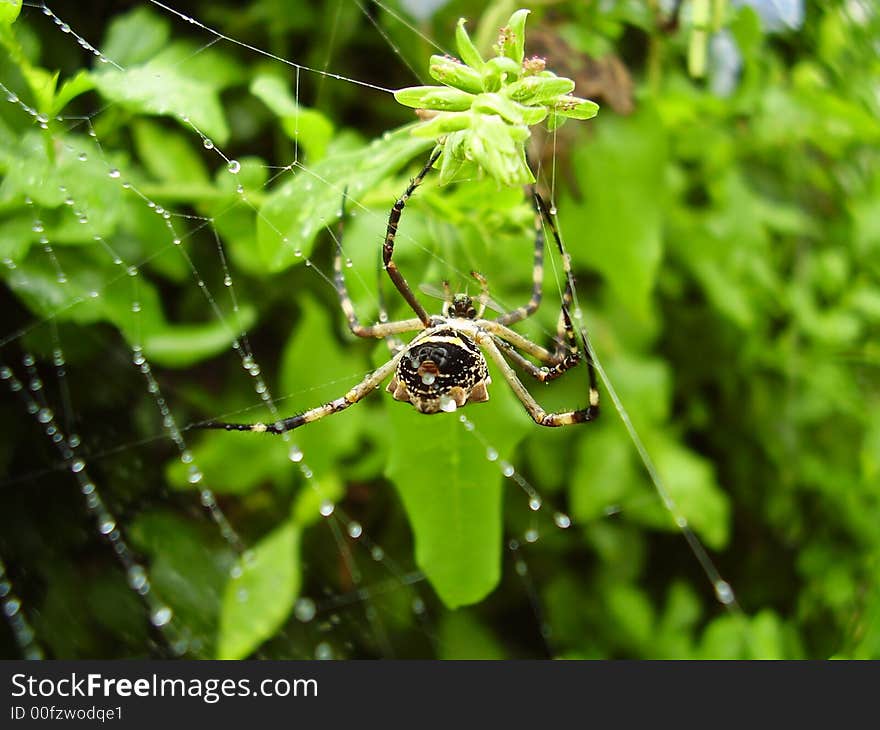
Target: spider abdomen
column 441, row 370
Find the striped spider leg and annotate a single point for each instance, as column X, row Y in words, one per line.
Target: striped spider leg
column 444, row 367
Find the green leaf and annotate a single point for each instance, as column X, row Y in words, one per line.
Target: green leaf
column 300, row 208
column 690, row 481
column 260, row 595
column 630, row 609
column 452, row 492
column 70, row 89
column 43, row 84
column 136, row 37
column 539, row 89
column 452, row 73
column 166, row 90
column 604, row 475
column 510, row 111
column 442, row 124
column 315, row 369
column 9, row 10
column 307, row 127
column 618, row 225
column 464, row 636
column 575, row 108
column 183, row 345
column 168, row 155
column 67, row 175
column 16, row 237
column 440, row 98
column 187, row 571
column 514, row 43
column 467, row 51
column 233, row 465
column 209, row 65
column 745, row 637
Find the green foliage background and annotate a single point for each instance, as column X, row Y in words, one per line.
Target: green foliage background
column 727, row 250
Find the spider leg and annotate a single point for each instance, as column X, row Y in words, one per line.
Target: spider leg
column 395, row 344
column 484, row 292
column 543, row 374
column 388, row 245
column 538, row 414
column 518, row 340
column 384, row 329
column 368, row 384
column 566, row 337
column 520, row 313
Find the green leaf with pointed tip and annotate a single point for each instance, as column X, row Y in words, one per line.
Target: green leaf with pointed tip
column 452, row 492
column 70, row 89
column 257, row 601
column 295, row 212
column 438, row 98
column 452, row 73
column 539, row 89
column 466, row 48
column 575, row 108
column 515, row 39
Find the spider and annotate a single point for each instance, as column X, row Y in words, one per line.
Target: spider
column 443, row 367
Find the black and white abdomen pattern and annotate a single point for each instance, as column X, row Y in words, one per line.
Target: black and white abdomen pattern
column 441, row 371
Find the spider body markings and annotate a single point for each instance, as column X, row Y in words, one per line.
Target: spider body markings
column 444, row 367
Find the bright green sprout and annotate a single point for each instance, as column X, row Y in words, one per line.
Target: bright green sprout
column 483, row 112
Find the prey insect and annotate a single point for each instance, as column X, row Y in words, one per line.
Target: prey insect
column 444, row 366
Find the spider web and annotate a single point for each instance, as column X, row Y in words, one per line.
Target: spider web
column 86, row 487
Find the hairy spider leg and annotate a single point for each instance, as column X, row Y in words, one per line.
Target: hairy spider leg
column 538, row 414
column 367, row 385
column 391, row 232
